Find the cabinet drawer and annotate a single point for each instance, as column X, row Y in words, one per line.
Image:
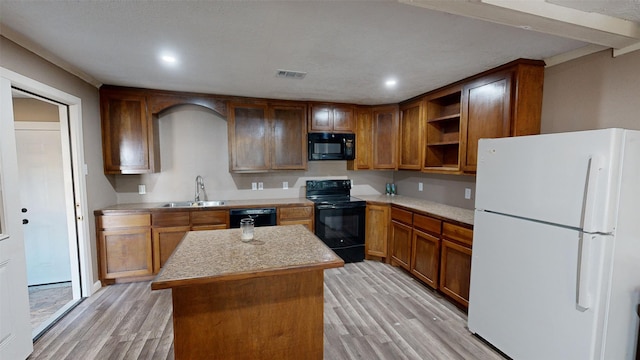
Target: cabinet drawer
column 426, row 223
column 210, row 217
column 298, row 212
column 124, row 221
column 402, row 216
column 170, row 218
column 458, row 233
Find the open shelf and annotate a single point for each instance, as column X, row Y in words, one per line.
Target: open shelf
column 455, row 116
column 443, row 130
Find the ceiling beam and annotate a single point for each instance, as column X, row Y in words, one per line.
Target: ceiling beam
column 544, row 17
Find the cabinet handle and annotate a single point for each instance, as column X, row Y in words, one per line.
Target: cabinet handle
column 25, row 221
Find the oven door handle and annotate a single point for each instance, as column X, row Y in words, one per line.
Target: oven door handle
column 324, row 207
column 339, row 206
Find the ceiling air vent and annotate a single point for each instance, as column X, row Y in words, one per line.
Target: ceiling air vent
column 288, row 74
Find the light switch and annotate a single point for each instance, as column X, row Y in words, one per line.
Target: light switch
column 420, row 186
column 142, row 189
column 285, row 185
column 467, row 193
column 254, row 186
column 260, row 185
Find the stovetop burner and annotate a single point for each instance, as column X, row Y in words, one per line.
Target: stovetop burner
column 330, row 191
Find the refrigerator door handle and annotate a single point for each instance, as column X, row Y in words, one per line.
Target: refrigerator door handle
column 590, row 203
column 585, row 267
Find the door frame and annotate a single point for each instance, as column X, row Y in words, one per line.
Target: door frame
column 78, row 166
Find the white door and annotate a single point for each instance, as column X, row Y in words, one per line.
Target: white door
column 42, row 195
column 15, row 329
column 525, row 287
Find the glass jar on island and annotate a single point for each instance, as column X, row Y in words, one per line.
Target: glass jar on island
column 246, row 226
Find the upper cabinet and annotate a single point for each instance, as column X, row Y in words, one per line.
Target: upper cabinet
column 338, row 118
column 129, row 125
column 289, row 145
column 249, row 137
column 505, row 101
column 265, row 137
column 376, row 138
column 127, row 133
column 364, row 140
column 410, row 135
column 385, row 132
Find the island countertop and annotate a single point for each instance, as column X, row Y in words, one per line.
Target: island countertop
column 219, row 255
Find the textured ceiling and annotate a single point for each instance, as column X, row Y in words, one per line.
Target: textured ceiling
column 348, row 48
column 623, row 9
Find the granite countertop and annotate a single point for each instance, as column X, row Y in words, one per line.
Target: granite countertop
column 219, row 255
column 444, row 212
column 228, row 204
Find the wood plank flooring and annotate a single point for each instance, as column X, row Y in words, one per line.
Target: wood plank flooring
column 372, row 311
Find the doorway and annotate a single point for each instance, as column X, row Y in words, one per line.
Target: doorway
column 47, row 206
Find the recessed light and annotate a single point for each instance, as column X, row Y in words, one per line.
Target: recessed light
column 169, row 59
column 390, row 83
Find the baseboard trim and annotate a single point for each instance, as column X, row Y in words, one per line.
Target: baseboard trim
column 96, row 286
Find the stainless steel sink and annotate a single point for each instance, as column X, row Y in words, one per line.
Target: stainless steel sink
column 182, row 204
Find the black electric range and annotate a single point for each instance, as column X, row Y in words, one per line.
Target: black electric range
column 339, row 217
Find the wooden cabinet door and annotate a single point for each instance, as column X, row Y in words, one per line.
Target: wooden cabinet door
column 289, row 145
column 486, row 113
column 296, row 215
column 377, row 231
column 321, row 118
column 400, row 244
column 165, row 241
column 411, row 136
column 249, row 137
column 343, row 120
column 125, row 252
column 127, row 134
column 455, row 271
column 209, row 219
column 425, row 257
column 385, row 127
column 364, row 139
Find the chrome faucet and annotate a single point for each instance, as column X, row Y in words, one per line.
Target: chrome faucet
column 199, row 186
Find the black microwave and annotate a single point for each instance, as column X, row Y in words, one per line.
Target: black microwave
column 329, row 146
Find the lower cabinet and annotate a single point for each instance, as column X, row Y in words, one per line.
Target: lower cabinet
column 425, row 249
column 124, row 246
column 294, row 215
column 132, row 246
column 436, row 252
column 400, row 247
column 455, row 268
column 377, row 231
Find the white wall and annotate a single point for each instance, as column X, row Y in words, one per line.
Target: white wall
column 593, row 92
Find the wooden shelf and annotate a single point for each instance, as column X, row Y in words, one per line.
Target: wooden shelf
column 442, row 143
column 445, row 118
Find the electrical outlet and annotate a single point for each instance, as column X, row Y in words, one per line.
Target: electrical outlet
column 285, row 185
column 260, row 185
column 420, row 186
column 467, row 193
column 142, row 189
column 254, row 186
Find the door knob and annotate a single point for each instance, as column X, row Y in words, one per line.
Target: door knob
column 25, row 221
column 24, row 210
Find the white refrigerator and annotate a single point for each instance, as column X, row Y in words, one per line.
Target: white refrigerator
column 555, row 271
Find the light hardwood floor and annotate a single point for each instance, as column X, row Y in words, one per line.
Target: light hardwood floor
column 372, row 311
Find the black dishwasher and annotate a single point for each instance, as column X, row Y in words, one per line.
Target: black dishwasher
column 260, row 216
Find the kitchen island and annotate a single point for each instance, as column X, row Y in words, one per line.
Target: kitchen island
column 261, row 299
